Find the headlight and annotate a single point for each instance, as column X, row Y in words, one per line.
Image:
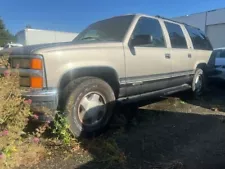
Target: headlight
column 31, row 71
column 34, row 63
column 33, row 82
column 22, row 63
column 25, row 81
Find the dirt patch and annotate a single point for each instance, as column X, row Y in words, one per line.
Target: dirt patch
column 176, row 132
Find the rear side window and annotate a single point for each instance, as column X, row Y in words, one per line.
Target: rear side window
column 149, row 26
column 198, row 38
column 176, row 34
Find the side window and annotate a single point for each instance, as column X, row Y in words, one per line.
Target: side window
column 222, row 54
column 176, row 34
column 198, row 38
column 216, row 53
column 151, row 27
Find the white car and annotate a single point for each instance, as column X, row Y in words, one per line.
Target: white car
column 11, row 45
column 219, row 55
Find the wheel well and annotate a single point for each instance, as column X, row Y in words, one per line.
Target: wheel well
column 201, row 66
column 107, row 74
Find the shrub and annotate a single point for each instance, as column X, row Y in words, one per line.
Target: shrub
column 61, row 129
column 14, row 114
column 14, row 110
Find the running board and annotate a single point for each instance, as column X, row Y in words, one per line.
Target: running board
column 149, row 95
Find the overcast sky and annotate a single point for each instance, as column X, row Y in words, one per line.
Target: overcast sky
column 74, row 15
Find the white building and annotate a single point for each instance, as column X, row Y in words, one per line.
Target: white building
column 211, row 22
column 37, row 36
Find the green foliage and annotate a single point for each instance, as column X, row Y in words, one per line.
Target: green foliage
column 61, row 129
column 14, row 110
column 5, row 35
column 14, row 114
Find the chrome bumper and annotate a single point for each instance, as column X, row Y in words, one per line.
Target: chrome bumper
column 47, row 98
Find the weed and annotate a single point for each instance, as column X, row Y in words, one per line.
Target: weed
column 61, row 129
column 105, row 150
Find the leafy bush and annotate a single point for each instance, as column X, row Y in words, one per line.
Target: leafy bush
column 61, row 129
column 14, row 114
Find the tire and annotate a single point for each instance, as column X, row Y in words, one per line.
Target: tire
column 199, row 82
column 89, row 106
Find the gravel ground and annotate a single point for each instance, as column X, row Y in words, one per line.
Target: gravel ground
column 175, row 132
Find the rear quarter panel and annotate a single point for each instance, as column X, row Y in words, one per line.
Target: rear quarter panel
column 202, row 56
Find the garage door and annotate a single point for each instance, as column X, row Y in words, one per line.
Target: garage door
column 216, row 34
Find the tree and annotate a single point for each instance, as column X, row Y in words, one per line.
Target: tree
column 5, row 35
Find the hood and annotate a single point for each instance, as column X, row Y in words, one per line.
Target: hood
column 42, row 48
column 27, row 50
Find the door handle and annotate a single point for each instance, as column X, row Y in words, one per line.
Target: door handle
column 167, row 56
column 189, row 55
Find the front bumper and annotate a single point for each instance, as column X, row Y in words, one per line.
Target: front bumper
column 42, row 101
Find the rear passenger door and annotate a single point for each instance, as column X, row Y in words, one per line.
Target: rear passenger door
column 181, row 56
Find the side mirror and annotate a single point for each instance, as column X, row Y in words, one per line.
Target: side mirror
column 141, row 40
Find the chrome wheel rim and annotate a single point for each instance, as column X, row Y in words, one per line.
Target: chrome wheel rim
column 198, row 83
column 92, row 108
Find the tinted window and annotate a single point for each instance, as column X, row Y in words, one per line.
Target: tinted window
column 199, row 40
column 113, row 29
column 176, row 35
column 149, row 26
column 219, row 53
column 222, row 54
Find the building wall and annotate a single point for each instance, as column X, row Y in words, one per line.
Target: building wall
column 216, row 17
column 211, row 22
column 35, row 36
column 39, row 37
column 197, row 20
column 20, row 37
column 216, row 34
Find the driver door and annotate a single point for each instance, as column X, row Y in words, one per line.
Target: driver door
column 148, row 66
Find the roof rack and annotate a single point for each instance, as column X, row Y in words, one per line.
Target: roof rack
column 158, row 16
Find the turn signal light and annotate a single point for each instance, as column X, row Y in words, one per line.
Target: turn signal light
column 36, row 64
column 36, row 82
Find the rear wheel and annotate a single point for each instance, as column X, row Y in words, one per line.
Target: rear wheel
column 198, row 84
column 89, row 106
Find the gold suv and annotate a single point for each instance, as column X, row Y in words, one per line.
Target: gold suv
column 120, row 58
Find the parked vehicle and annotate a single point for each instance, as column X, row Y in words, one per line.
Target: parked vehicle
column 219, row 55
column 117, row 59
column 11, row 45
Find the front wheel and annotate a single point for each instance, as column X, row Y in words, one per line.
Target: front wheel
column 198, row 83
column 89, row 105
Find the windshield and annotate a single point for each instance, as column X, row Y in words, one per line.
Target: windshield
column 113, row 29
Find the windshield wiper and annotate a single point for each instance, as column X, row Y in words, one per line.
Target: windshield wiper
column 90, row 37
